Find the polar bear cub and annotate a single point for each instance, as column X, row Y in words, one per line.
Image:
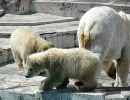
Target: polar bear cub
column 75, row 63
column 24, row 42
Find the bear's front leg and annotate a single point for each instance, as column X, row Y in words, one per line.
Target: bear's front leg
column 48, row 84
column 18, row 60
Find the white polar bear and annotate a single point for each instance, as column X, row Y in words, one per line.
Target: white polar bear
column 106, row 32
column 24, row 42
column 74, row 63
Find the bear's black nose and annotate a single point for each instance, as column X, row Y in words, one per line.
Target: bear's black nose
column 26, row 76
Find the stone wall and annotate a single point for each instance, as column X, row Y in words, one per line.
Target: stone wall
column 109, row 1
column 104, row 1
column 74, row 8
column 23, row 6
column 91, row 0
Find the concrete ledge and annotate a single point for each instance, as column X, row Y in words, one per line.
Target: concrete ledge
column 32, row 19
column 51, row 96
column 73, row 9
column 115, row 97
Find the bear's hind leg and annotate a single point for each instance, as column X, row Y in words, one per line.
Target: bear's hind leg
column 85, row 86
column 90, row 85
column 122, row 73
column 79, row 85
column 123, row 64
column 63, row 84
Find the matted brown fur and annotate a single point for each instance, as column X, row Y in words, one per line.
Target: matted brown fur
column 84, row 39
column 112, row 72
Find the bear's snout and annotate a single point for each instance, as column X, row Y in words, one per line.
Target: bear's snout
column 28, row 73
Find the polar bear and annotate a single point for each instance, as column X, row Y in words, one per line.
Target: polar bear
column 24, row 42
column 76, row 63
column 106, row 33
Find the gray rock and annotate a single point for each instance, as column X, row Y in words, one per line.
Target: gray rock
column 5, row 51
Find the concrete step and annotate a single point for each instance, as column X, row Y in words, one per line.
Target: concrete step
column 73, row 8
column 15, row 87
column 57, row 33
column 53, row 28
column 5, row 51
column 32, row 19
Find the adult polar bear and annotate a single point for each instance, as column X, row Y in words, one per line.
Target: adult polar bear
column 106, row 32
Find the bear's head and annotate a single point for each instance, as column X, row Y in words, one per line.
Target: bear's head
column 34, row 65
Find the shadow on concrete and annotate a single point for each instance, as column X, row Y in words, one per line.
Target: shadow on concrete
column 112, row 89
column 97, row 90
column 72, row 89
column 27, row 13
column 4, row 64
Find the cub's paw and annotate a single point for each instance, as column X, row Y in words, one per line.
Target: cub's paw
column 21, row 71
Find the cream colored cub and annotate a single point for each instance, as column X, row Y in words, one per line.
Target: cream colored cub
column 24, row 42
column 74, row 63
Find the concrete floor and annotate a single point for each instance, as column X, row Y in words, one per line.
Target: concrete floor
column 11, row 83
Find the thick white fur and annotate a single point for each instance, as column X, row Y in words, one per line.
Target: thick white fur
column 106, row 32
column 74, row 63
column 24, row 42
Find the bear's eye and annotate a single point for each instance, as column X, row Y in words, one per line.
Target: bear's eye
column 30, row 69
